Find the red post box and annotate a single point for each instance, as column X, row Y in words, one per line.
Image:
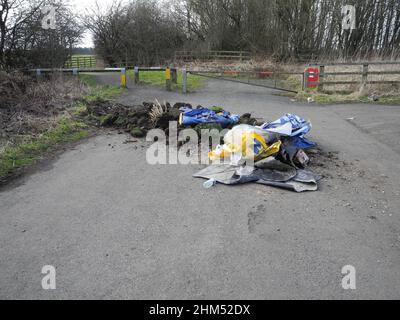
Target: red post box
column 312, row 75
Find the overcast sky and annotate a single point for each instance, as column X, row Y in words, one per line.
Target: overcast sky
column 80, row 6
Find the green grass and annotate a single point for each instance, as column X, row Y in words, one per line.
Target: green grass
column 104, row 93
column 391, row 100
column 99, row 92
column 88, row 79
column 26, row 154
column 83, row 55
column 335, row 98
column 331, row 97
column 291, row 83
column 157, row 78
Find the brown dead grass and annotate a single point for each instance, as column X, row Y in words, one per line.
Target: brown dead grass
column 29, row 107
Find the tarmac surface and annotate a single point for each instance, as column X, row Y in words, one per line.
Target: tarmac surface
column 116, row 227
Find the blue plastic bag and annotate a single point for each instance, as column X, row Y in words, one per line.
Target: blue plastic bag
column 300, row 127
column 204, row 115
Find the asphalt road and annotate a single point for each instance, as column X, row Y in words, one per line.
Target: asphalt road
column 117, row 228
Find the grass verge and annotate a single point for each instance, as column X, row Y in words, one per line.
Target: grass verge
column 27, row 153
column 336, row 98
column 332, row 97
column 66, row 129
column 99, row 92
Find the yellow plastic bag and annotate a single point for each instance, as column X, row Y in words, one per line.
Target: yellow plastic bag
column 222, row 152
column 251, row 147
column 255, row 148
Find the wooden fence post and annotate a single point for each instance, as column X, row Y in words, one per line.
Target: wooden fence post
column 305, row 80
column 365, row 75
column 136, row 71
column 321, row 78
column 184, row 80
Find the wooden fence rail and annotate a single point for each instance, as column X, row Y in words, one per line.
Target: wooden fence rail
column 212, row 55
column 364, row 74
column 81, row 62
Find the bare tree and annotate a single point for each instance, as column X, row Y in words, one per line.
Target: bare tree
column 146, row 33
column 24, row 43
column 139, row 32
column 293, row 28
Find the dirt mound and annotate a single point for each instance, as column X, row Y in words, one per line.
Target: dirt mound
column 136, row 119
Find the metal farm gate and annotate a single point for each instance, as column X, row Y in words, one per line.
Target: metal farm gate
column 271, row 79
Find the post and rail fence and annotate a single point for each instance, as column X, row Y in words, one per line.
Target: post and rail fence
column 188, row 56
column 321, row 75
column 81, row 62
column 315, row 76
